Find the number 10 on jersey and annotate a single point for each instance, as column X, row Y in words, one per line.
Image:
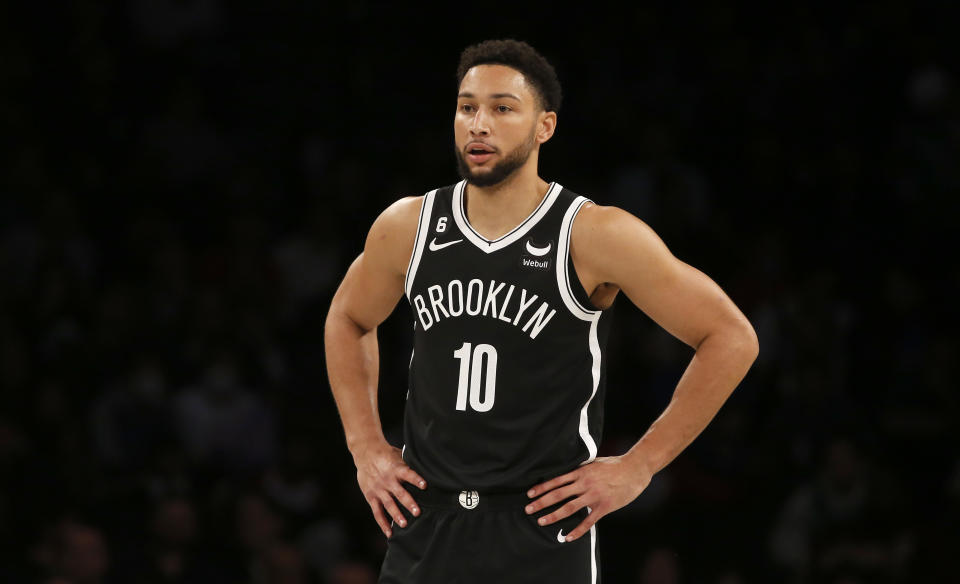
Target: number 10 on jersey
column 472, row 361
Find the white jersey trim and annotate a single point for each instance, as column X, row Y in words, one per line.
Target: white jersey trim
column 585, row 435
column 486, row 245
column 593, row 551
column 423, row 230
column 564, row 280
column 578, row 310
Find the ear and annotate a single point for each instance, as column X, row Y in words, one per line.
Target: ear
column 546, row 125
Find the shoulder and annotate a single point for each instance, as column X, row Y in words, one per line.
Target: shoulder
column 606, row 225
column 592, row 216
column 401, row 215
column 607, row 239
column 393, row 233
column 397, row 225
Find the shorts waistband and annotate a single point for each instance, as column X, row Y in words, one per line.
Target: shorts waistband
column 470, row 500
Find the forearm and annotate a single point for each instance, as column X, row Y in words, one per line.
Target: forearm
column 718, row 366
column 353, row 363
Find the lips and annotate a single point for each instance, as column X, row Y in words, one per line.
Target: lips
column 479, row 147
column 479, row 152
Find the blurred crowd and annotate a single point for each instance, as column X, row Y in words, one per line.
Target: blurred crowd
column 189, row 181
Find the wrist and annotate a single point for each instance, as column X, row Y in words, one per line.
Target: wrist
column 360, row 446
column 643, row 461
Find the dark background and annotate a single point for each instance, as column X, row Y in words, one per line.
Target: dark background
column 186, row 182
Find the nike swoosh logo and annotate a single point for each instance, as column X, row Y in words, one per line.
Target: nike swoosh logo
column 539, row 251
column 560, row 537
column 434, row 246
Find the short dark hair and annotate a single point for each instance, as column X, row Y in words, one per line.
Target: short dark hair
column 520, row 56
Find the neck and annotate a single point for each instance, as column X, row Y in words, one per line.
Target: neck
column 495, row 210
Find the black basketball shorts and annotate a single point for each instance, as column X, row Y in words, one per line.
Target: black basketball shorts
column 470, row 538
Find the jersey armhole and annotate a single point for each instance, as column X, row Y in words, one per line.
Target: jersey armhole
column 577, row 286
column 423, row 228
column 571, row 290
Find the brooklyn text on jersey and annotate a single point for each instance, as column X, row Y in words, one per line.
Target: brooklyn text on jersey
column 477, row 299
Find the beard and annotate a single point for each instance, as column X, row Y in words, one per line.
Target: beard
column 501, row 170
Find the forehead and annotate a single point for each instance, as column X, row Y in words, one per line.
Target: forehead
column 484, row 80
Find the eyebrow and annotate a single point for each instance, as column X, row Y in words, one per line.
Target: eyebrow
column 469, row 95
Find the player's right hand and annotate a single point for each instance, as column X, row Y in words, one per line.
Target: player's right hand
column 380, row 469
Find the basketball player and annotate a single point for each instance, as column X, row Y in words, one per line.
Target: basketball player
column 511, row 279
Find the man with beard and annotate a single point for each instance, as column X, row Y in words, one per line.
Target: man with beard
column 511, row 280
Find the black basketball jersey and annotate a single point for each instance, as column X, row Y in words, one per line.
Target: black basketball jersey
column 507, row 377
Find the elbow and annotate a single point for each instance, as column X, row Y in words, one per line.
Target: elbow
column 738, row 338
column 749, row 342
column 339, row 322
column 334, row 317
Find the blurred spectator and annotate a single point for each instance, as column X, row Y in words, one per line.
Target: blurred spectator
column 223, row 424
column 132, row 421
column 172, row 552
column 309, row 261
column 264, row 536
column 353, row 572
column 73, row 552
column 846, row 518
column 660, row 566
column 282, row 564
column 258, row 525
column 169, row 474
column 294, row 487
column 174, row 529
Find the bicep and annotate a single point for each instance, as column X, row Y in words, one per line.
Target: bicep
column 367, row 295
column 374, row 282
column 680, row 298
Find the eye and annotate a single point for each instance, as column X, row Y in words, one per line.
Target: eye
column 503, row 109
column 466, row 108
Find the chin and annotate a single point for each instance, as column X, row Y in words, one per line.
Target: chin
column 492, row 174
column 485, row 179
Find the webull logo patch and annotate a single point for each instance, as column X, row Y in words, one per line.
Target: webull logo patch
column 535, row 263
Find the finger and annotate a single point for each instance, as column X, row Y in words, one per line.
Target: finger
column 410, row 475
column 391, row 506
column 405, row 499
column 554, row 496
column 584, row 526
column 552, row 484
column 380, row 517
column 563, row 512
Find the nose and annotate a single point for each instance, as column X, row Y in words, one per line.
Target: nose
column 479, row 127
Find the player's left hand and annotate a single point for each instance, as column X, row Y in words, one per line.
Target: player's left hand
column 604, row 485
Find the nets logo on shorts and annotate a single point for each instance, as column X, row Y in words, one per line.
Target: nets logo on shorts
column 469, row 499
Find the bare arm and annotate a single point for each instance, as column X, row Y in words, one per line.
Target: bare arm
column 691, row 307
column 353, row 361
column 367, row 295
column 611, row 246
